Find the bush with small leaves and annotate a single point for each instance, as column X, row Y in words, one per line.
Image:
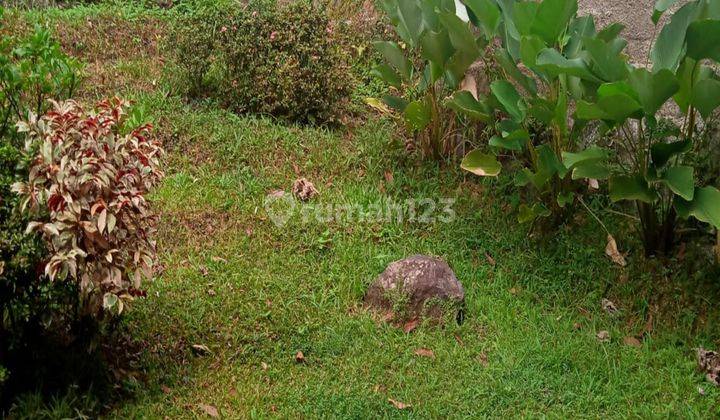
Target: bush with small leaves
column 266, row 59
column 87, row 196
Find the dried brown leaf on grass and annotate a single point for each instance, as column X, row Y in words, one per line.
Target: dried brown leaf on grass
column 304, row 190
column 611, row 250
column 411, row 325
column 603, row 336
column 399, row 404
column 210, row 410
column 609, row 307
column 423, row 352
column 201, row 349
column 632, row 341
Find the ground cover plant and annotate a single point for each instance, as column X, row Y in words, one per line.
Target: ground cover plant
column 250, row 319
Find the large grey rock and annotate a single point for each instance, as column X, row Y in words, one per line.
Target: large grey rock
column 415, row 287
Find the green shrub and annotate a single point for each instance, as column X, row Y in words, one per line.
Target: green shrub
column 265, row 59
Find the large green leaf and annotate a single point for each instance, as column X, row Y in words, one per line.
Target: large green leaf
column 395, row 57
column 527, row 214
column 465, row 103
column 613, row 109
column 503, row 58
column 689, row 73
column 461, row 37
column 515, row 140
column 661, row 153
column 660, row 7
column 418, row 115
column 590, row 155
column 703, row 40
column 408, row 20
column 653, row 89
column 681, row 181
column 481, row 164
column 668, row 48
column 553, row 64
column 580, row 28
column 395, row 102
column 488, row 13
column 458, row 65
column 388, row 75
column 530, row 47
column 705, row 206
column 631, row 188
column 594, row 170
column 552, row 18
column 523, row 15
column 609, row 65
column 436, row 47
column 706, row 96
column 510, row 99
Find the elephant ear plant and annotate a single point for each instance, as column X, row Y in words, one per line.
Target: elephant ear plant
column 430, row 63
column 546, row 58
column 651, row 167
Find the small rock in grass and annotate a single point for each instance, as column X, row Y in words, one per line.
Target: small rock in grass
column 415, row 287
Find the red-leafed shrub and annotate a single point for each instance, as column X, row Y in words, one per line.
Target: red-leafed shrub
column 87, row 192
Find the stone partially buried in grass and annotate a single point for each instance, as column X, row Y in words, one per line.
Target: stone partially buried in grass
column 415, row 287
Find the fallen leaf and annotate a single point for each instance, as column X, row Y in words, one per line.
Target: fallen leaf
column 490, row 259
column 577, row 326
column 483, row 359
column 411, row 325
column 389, row 316
column 611, row 250
column 264, row 366
column 210, row 410
column 513, row 291
column 304, row 190
column 296, row 169
column 469, row 84
column 233, row 392
column 219, row 260
column 632, row 341
column 211, row 292
column 299, row 357
column 609, row 307
column 423, row 352
column 165, row 389
column 603, row 336
column 389, row 177
column 200, row 349
column 399, row 405
column 204, row 270
column 459, row 340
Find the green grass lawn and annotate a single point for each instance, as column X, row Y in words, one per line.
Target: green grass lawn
column 256, row 294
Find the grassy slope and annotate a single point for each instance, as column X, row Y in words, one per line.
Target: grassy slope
column 279, row 291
